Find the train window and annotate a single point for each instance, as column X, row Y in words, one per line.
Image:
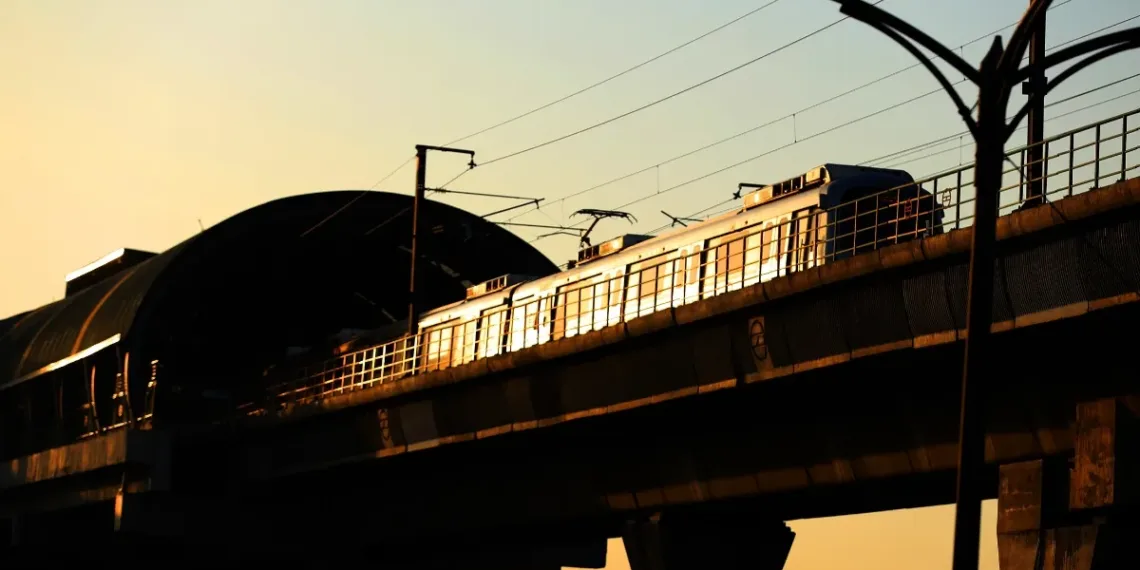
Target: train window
column 573, row 312
column 677, row 293
column 601, row 300
column 632, row 293
column 464, row 344
column 531, row 323
column 438, row 348
column 664, row 284
column 735, row 263
column 615, row 299
column 648, row 290
column 586, row 310
column 518, row 327
column 545, row 313
column 753, row 251
column 491, row 333
column 560, row 317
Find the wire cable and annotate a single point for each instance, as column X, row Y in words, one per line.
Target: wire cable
column 613, row 77
column 1065, row 114
column 671, row 96
column 783, row 118
column 357, row 197
column 1021, row 128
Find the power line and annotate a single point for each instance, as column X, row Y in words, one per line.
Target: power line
column 357, row 197
column 936, row 142
column 785, row 117
column 837, row 127
column 1065, row 114
column 786, row 146
column 612, row 77
column 780, row 148
column 671, row 96
column 1021, row 128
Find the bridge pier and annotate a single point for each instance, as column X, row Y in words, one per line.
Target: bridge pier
column 686, row 541
column 1053, row 516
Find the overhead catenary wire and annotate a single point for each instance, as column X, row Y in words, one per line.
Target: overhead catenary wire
column 777, row 149
column 615, row 76
column 1050, row 119
column 837, row 127
column 894, row 156
column 783, row 118
column 1021, row 128
column 670, row 96
column 357, row 197
column 921, row 147
column 643, row 107
column 832, row 129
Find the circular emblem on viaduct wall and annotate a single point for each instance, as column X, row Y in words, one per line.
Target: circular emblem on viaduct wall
column 759, row 344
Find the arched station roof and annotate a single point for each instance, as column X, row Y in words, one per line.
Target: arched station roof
column 242, row 291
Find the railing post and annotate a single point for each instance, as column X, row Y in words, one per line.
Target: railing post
column 1096, row 160
column 1124, row 149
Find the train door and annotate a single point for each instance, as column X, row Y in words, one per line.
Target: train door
column 724, row 263
column 691, row 260
column 542, row 325
column 806, row 239
column 643, row 286
column 437, row 347
column 492, row 332
column 463, row 341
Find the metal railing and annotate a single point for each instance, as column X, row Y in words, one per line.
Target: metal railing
column 1073, row 162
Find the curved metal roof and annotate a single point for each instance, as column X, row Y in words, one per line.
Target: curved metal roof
column 253, row 285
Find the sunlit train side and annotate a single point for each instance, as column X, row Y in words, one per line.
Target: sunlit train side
column 830, row 212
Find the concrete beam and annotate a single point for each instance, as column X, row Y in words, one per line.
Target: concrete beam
column 1050, row 518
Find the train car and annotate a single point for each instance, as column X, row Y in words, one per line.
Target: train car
column 830, row 212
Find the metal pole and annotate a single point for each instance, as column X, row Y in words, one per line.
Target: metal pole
column 1035, row 191
column 421, row 177
column 421, row 188
column 979, row 314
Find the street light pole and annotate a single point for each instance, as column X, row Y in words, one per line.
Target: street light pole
column 421, row 184
column 995, row 78
column 989, row 151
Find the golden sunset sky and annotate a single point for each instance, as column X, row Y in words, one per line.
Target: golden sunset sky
column 127, row 123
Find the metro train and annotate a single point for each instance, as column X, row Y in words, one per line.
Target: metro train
column 828, row 213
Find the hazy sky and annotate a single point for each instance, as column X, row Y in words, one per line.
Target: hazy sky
column 126, row 122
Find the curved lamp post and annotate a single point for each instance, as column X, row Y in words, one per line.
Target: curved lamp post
column 999, row 72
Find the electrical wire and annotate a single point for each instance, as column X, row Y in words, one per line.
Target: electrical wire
column 613, row 77
column 671, row 96
column 1021, row 128
column 1065, row 114
column 357, row 197
column 1068, row 113
column 786, row 117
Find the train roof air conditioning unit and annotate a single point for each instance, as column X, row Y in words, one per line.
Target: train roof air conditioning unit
column 496, row 284
column 609, row 247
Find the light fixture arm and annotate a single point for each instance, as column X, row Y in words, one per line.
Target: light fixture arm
column 1075, row 51
column 1069, row 72
column 867, row 13
column 1019, row 40
column 963, row 110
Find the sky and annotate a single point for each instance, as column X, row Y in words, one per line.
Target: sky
column 132, row 123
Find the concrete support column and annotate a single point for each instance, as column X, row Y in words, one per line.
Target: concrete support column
column 685, row 541
column 1055, row 517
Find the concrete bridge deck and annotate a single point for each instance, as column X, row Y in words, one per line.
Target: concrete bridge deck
column 823, row 384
